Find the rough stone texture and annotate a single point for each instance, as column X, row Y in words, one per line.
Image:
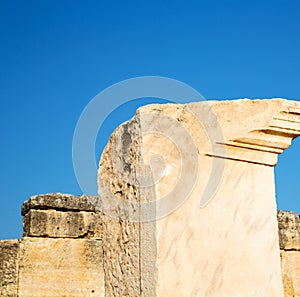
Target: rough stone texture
column 227, row 247
column 290, row 262
column 230, row 247
column 33, row 265
column 289, row 238
column 61, row 201
column 60, row 267
column 9, row 268
column 53, row 223
column 289, row 230
column 61, row 252
column 63, row 255
column 121, row 237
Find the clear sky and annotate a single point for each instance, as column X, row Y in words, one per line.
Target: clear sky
column 55, row 56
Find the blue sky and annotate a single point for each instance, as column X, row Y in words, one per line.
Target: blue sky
column 55, row 56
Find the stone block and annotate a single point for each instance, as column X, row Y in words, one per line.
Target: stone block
column 9, row 250
column 194, row 185
column 290, row 263
column 61, row 267
column 60, row 201
column 55, row 223
column 289, row 230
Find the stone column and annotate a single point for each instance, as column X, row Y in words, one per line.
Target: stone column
column 190, row 193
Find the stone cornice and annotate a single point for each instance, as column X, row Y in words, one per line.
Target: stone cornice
column 262, row 146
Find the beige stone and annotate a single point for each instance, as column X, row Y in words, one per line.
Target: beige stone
column 289, row 230
column 60, row 201
column 121, row 239
column 189, row 200
column 63, row 255
column 60, row 267
column 9, row 268
column 60, row 224
column 209, row 166
column 289, row 238
column 290, row 262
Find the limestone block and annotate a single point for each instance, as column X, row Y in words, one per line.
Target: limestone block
column 61, row 202
column 60, row 267
column 290, row 262
column 54, row 223
column 190, row 189
column 289, row 230
column 9, row 268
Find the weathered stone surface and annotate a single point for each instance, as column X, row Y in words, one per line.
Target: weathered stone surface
column 9, row 268
column 227, row 247
column 60, row 267
column 61, row 201
column 289, row 238
column 290, row 263
column 53, row 223
column 121, row 240
column 289, row 230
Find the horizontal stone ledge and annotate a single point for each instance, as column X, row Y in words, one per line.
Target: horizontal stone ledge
column 61, row 202
column 63, row 224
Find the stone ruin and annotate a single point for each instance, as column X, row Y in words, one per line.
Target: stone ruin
column 186, row 207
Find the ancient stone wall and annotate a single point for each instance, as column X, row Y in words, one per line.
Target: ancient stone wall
column 9, row 265
column 61, row 251
column 289, row 235
column 186, row 207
